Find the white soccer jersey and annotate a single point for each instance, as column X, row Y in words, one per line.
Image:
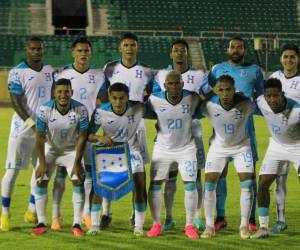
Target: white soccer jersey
column 138, row 78
column 194, row 80
column 174, row 121
column 62, row 130
column 34, row 86
column 284, row 126
column 290, row 86
column 120, row 128
column 86, row 86
column 229, row 125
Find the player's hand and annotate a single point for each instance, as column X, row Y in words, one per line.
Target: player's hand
column 105, row 140
column 79, row 172
column 40, row 172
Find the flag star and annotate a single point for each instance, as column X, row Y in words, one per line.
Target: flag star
column 120, row 158
column 121, row 165
column 103, row 160
column 112, row 163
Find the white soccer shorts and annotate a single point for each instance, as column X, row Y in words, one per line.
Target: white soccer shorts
column 277, row 156
column 164, row 160
column 137, row 164
column 21, row 145
column 218, row 157
column 55, row 159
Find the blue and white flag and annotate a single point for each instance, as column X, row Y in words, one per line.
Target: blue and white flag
column 111, row 170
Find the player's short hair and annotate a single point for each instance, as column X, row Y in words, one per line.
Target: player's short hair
column 34, row 39
column 81, row 40
column 273, row 83
column 118, row 87
column 225, row 78
column 63, row 81
column 180, row 41
column 128, row 35
column 289, row 46
column 238, row 39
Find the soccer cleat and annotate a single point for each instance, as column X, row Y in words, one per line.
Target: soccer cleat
column 105, row 221
column 77, row 231
column 4, row 223
column 190, row 232
column 220, row 223
column 244, row 233
column 30, row 217
column 252, row 227
column 279, row 226
column 169, row 225
column 155, row 230
column 139, row 232
column 208, row 233
column 94, row 230
column 57, row 223
column 40, row 229
column 198, row 224
column 262, row 232
column 86, row 220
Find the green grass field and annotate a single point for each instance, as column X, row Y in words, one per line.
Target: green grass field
column 119, row 235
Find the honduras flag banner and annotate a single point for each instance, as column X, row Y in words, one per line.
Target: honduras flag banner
column 111, row 170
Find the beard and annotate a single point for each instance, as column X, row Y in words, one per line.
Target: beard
column 236, row 58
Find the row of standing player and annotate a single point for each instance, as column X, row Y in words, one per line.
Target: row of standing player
column 128, row 47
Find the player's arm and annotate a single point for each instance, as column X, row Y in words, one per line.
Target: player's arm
column 93, row 129
column 102, row 96
column 259, row 84
column 16, row 101
column 40, row 135
column 78, row 168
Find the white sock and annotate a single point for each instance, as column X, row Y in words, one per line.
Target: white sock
column 263, row 221
column 78, row 194
column 95, row 214
column 7, row 187
column 200, row 198
column 190, row 203
column 31, row 206
column 210, row 207
column 41, row 198
column 246, row 204
column 87, row 192
column 155, row 202
column 106, row 206
column 58, row 190
column 140, row 214
column 169, row 193
column 280, row 196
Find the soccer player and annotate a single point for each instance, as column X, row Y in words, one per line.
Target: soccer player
column 228, row 113
column 248, row 79
column 174, row 146
column 195, row 81
column 29, row 85
column 139, row 79
column 120, row 119
column 64, row 123
column 282, row 116
column 88, row 85
column 290, row 79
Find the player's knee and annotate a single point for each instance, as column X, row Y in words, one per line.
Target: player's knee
column 96, row 199
column 190, row 186
column 61, row 172
column 77, row 183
